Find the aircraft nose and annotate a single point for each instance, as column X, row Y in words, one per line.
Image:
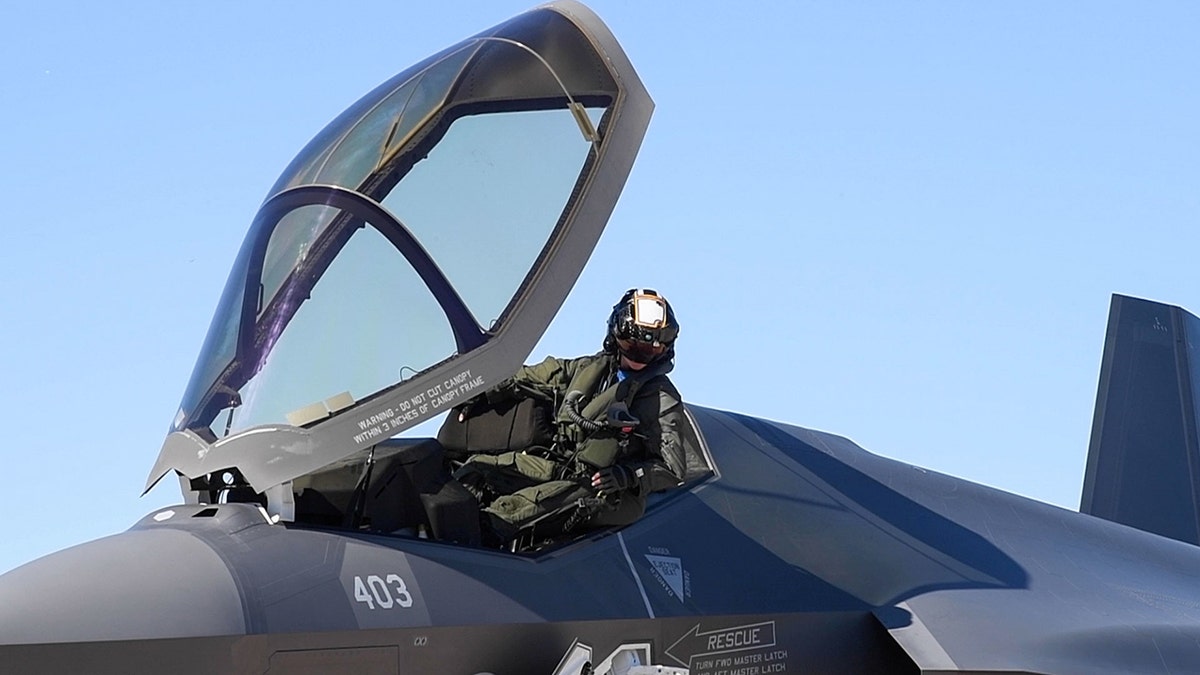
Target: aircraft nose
column 153, row 583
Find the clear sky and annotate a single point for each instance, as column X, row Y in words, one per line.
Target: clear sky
column 898, row 222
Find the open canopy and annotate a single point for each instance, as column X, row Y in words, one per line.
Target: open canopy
column 414, row 252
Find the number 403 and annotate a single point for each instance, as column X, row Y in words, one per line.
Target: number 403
column 384, row 592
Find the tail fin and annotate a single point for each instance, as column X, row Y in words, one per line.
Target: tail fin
column 1143, row 466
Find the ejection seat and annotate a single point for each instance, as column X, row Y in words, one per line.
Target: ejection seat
column 398, row 485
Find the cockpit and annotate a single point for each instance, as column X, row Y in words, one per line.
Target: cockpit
column 406, row 261
column 404, row 487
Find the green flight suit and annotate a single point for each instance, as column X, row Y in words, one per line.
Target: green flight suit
column 538, row 481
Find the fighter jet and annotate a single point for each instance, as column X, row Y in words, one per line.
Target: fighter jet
column 405, row 263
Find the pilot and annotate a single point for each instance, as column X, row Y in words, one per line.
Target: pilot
column 616, row 431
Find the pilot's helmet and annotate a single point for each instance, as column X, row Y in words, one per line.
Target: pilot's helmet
column 642, row 327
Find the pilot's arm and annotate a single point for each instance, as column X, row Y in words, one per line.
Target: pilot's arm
column 662, row 464
column 548, row 378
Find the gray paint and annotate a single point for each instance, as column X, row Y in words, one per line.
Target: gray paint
column 799, row 523
column 136, row 585
column 1143, row 466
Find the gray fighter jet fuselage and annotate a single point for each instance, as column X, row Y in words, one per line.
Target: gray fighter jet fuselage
column 314, row 536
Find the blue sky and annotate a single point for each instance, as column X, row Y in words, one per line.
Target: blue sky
column 899, row 222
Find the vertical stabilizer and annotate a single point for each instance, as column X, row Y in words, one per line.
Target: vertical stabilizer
column 1143, row 467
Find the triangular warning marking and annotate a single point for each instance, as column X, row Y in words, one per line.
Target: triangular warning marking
column 671, row 571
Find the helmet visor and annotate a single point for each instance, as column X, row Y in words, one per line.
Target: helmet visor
column 640, row 352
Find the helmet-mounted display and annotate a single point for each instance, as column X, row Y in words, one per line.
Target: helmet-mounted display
column 642, row 327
